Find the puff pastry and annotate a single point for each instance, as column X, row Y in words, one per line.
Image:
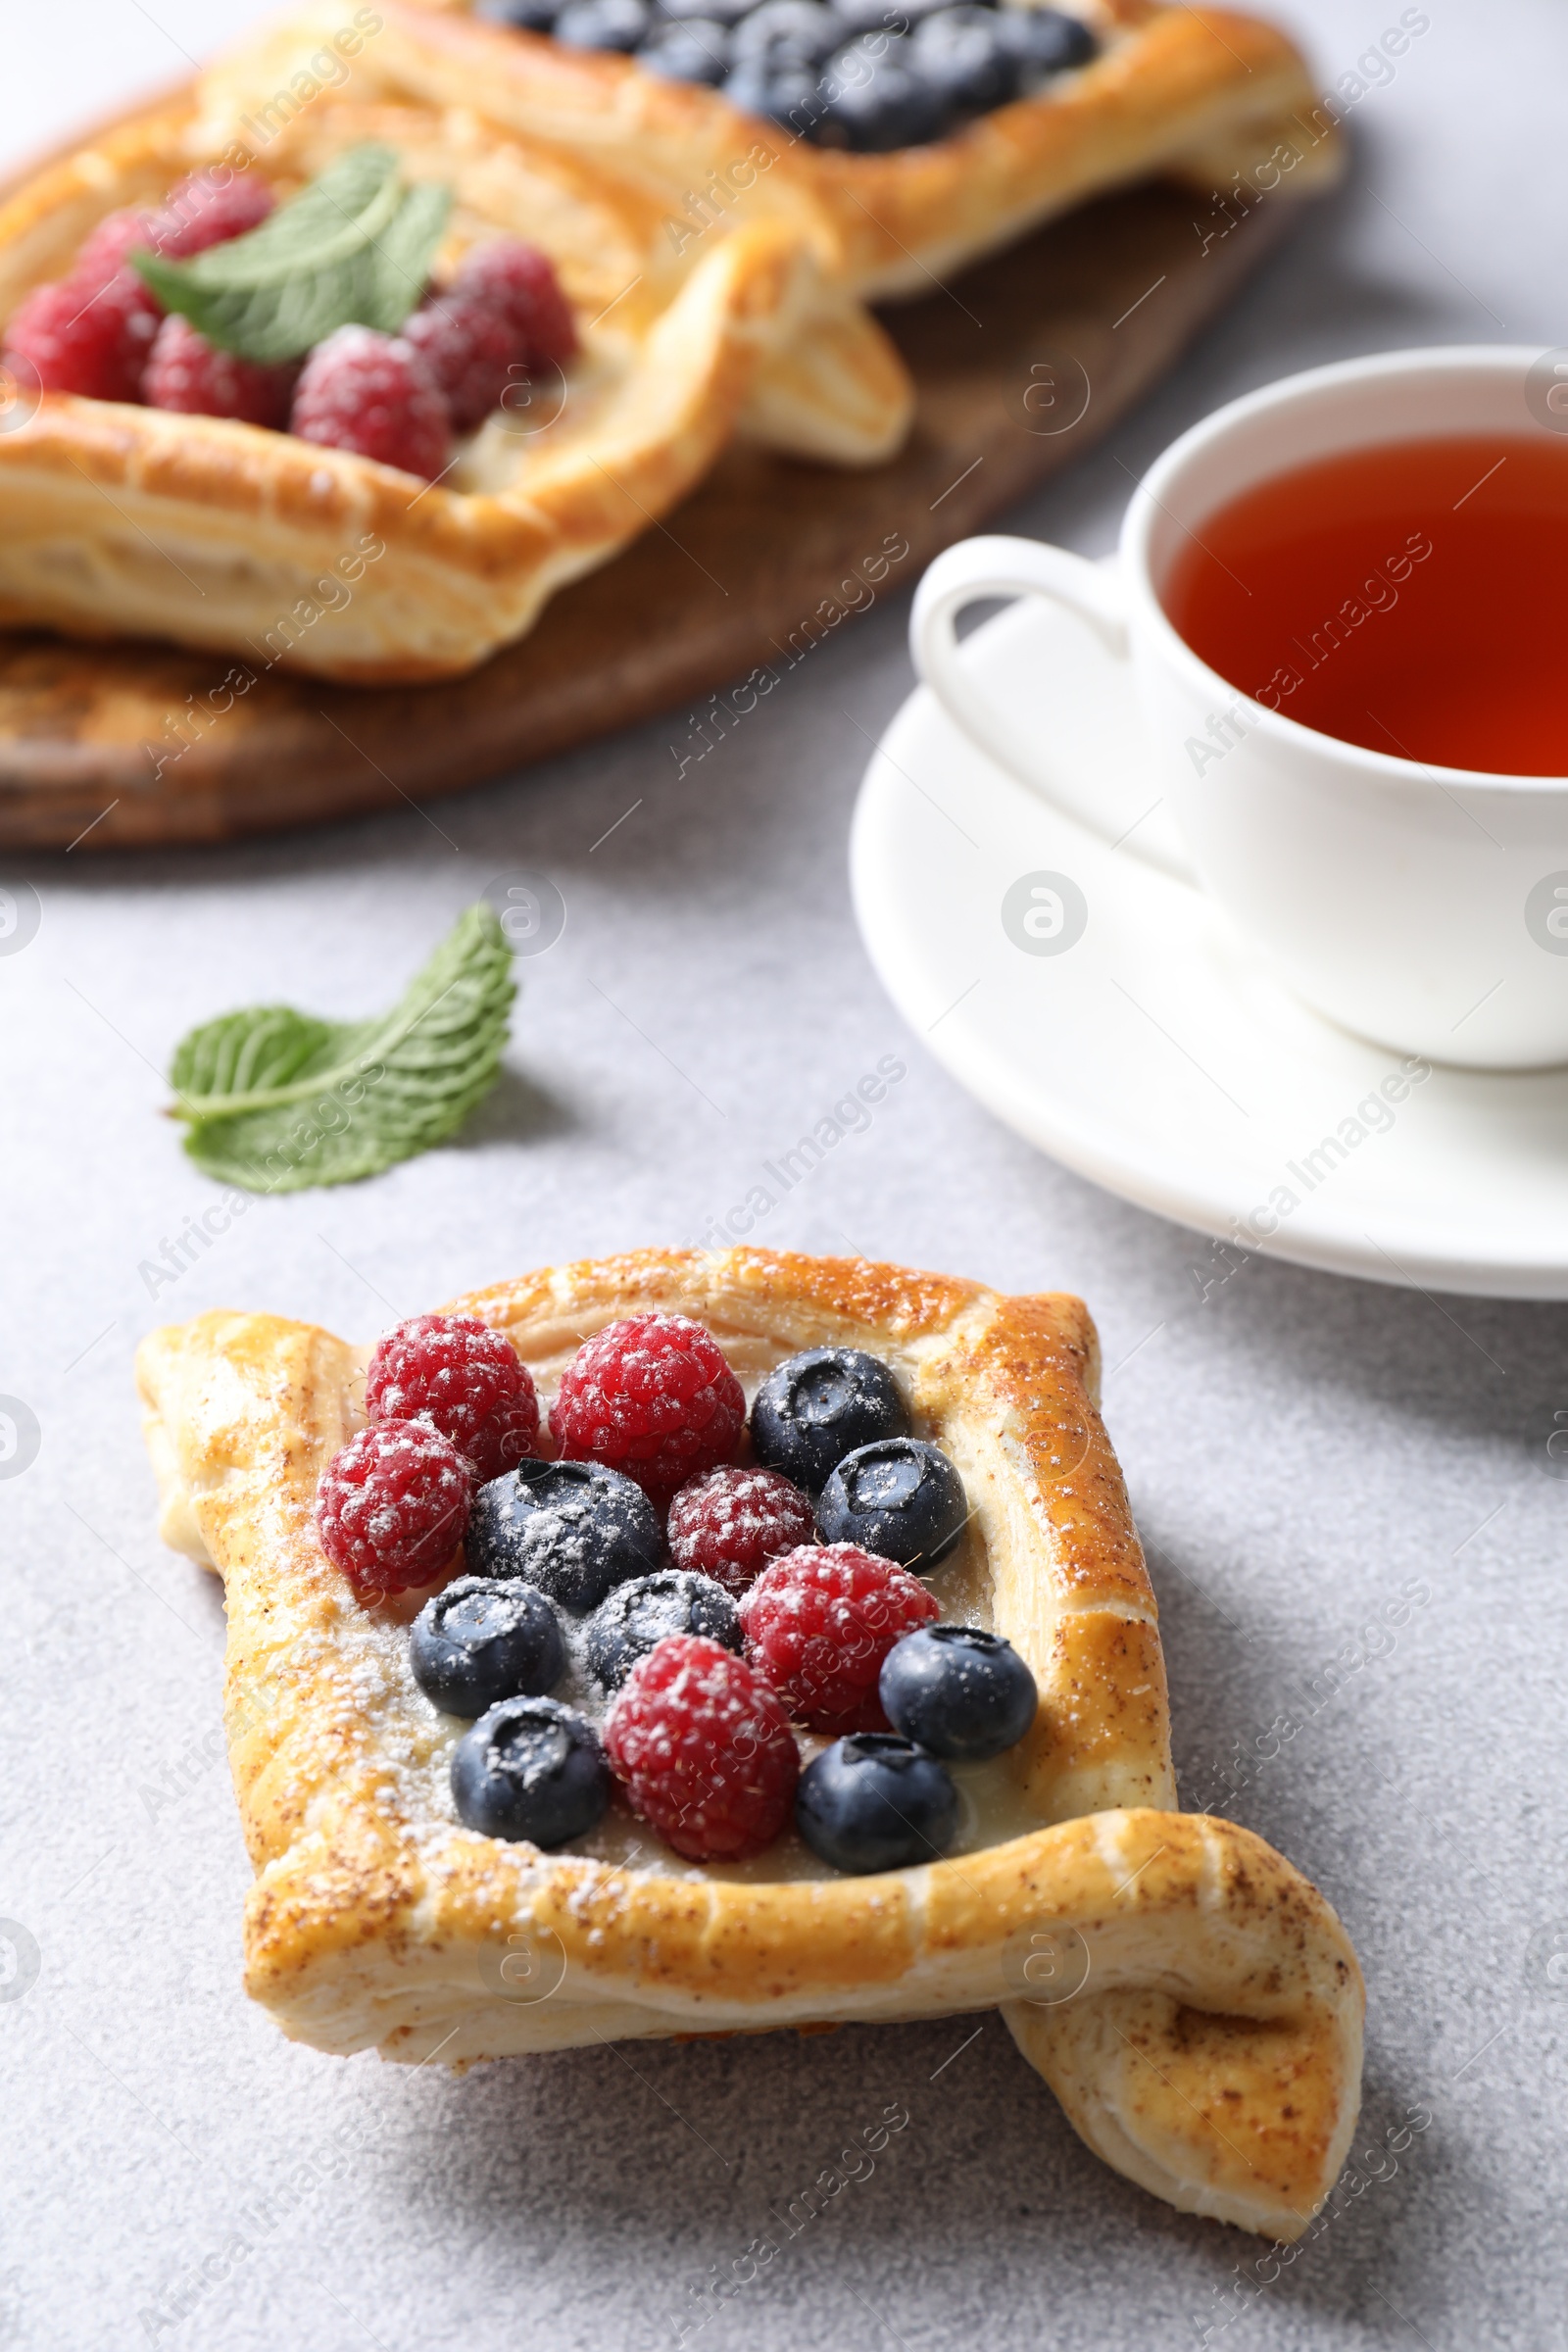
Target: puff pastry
column 1197, row 92
column 1190, row 1999
column 115, row 517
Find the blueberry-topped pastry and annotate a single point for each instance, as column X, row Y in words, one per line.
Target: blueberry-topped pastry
column 870, row 76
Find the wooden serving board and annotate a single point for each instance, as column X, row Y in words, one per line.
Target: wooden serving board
column 1020, row 365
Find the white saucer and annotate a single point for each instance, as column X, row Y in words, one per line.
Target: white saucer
column 1154, row 1054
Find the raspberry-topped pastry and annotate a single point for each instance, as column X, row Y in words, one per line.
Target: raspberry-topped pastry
column 383, row 378
column 221, row 302
column 595, row 1770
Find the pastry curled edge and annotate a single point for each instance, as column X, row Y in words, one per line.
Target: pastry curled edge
column 1192, row 2000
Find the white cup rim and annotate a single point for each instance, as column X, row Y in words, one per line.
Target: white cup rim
column 1149, row 498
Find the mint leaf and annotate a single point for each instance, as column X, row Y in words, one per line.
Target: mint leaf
column 278, row 1101
column 401, row 259
column 354, row 247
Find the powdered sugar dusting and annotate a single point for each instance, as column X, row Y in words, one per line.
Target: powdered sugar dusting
column 363, row 1659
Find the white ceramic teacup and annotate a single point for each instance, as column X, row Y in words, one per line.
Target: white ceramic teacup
column 1424, row 907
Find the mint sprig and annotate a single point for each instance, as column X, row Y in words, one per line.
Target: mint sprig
column 278, row 1101
column 353, row 248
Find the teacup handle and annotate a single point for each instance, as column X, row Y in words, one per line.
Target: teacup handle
column 996, row 566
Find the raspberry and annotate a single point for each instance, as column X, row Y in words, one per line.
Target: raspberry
column 705, row 1748
column 372, row 393
column 731, row 1523
column 116, row 237
column 469, row 347
column 188, row 373
column 208, row 208
column 457, row 1376
column 818, row 1623
column 87, row 333
column 652, row 1397
column 520, row 283
column 92, row 332
column 392, row 1507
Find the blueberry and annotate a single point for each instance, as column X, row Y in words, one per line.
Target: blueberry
column 962, row 1693
column 900, row 1498
column 779, row 90
column 603, row 24
column 815, row 1407
column 697, row 50
column 626, row 1627
column 799, row 30
column 874, row 1802
column 574, row 1529
column 877, row 101
column 486, row 1638
column 530, row 1768
column 527, row 16
column 960, row 51
column 721, row 11
column 868, row 16
column 1044, row 41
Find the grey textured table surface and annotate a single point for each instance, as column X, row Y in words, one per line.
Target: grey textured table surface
column 1302, row 1451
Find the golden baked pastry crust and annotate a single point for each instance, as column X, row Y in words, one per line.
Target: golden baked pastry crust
column 119, row 519
column 1210, row 2046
